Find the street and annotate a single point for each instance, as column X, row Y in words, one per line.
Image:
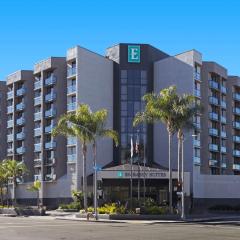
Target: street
column 39, row 228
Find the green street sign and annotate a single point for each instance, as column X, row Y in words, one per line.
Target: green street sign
column 120, row 174
column 134, row 54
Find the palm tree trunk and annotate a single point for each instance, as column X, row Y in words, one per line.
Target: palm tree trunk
column 1, row 189
column 170, row 169
column 84, row 152
column 14, row 191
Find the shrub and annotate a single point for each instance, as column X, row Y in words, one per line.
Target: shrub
column 71, row 206
column 156, row 210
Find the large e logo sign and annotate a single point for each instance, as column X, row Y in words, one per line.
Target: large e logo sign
column 134, row 54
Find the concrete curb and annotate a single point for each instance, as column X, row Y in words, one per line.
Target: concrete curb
column 198, row 220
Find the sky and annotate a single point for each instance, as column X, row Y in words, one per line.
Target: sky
column 32, row 30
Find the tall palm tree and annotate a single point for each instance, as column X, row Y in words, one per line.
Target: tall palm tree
column 186, row 108
column 14, row 170
column 36, row 187
column 86, row 126
column 3, row 181
column 159, row 108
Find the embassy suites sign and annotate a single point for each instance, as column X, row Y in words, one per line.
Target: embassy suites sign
column 134, row 54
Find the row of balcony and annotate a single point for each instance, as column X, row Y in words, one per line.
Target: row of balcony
column 50, row 97
column 217, row 102
column 215, row 148
column 71, row 71
column 19, row 92
column 48, row 145
column 48, row 82
column 19, row 150
column 48, row 114
column 217, row 86
column 20, row 122
column 19, row 107
column 215, row 132
column 48, row 161
column 214, row 116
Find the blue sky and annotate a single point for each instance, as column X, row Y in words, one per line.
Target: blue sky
column 32, row 30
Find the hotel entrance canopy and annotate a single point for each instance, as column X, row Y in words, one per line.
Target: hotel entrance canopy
column 124, row 172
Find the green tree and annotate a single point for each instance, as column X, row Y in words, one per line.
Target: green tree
column 36, row 187
column 86, row 126
column 3, row 181
column 14, row 170
column 159, row 108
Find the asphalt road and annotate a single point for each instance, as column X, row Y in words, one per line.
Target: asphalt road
column 51, row 229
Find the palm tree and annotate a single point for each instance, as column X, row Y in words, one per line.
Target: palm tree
column 186, row 108
column 3, row 181
column 36, row 187
column 14, row 170
column 159, row 108
column 86, row 126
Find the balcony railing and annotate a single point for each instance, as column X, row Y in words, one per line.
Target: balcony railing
column 236, row 153
column 37, row 116
column 37, row 85
column 236, row 110
column 20, row 150
column 37, row 147
column 213, row 163
column 213, row 147
column 223, row 134
column 213, row 100
column 50, row 113
column 37, row 100
column 236, row 139
column 10, row 150
column 236, row 167
column 196, row 143
column 37, row 132
column 10, row 95
column 37, row 162
column 10, row 137
column 10, row 109
column 50, row 97
column 213, row 131
column 20, row 136
column 71, row 158
column 20, row 91
column 48, row 129
column 236, row 125
column 223, row 119
column 197, row 76
column 223, row 165
column 223, row 89
column 49, row 161
column 71, row 72
column 236, row 96
column 223, row 104
column 9, row 123
column 50, row 145
column 71, row 106
column 213, row 84
column 223, row 149
column 71, row 89
column 197, row 125
column 50, row 80
column 20, row 121
column 71, row 141
column 20, row 106
column 213, row 116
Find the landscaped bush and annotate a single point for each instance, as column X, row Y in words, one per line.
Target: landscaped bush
column 71, row 206
column 156, row 210
column 111, row 208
